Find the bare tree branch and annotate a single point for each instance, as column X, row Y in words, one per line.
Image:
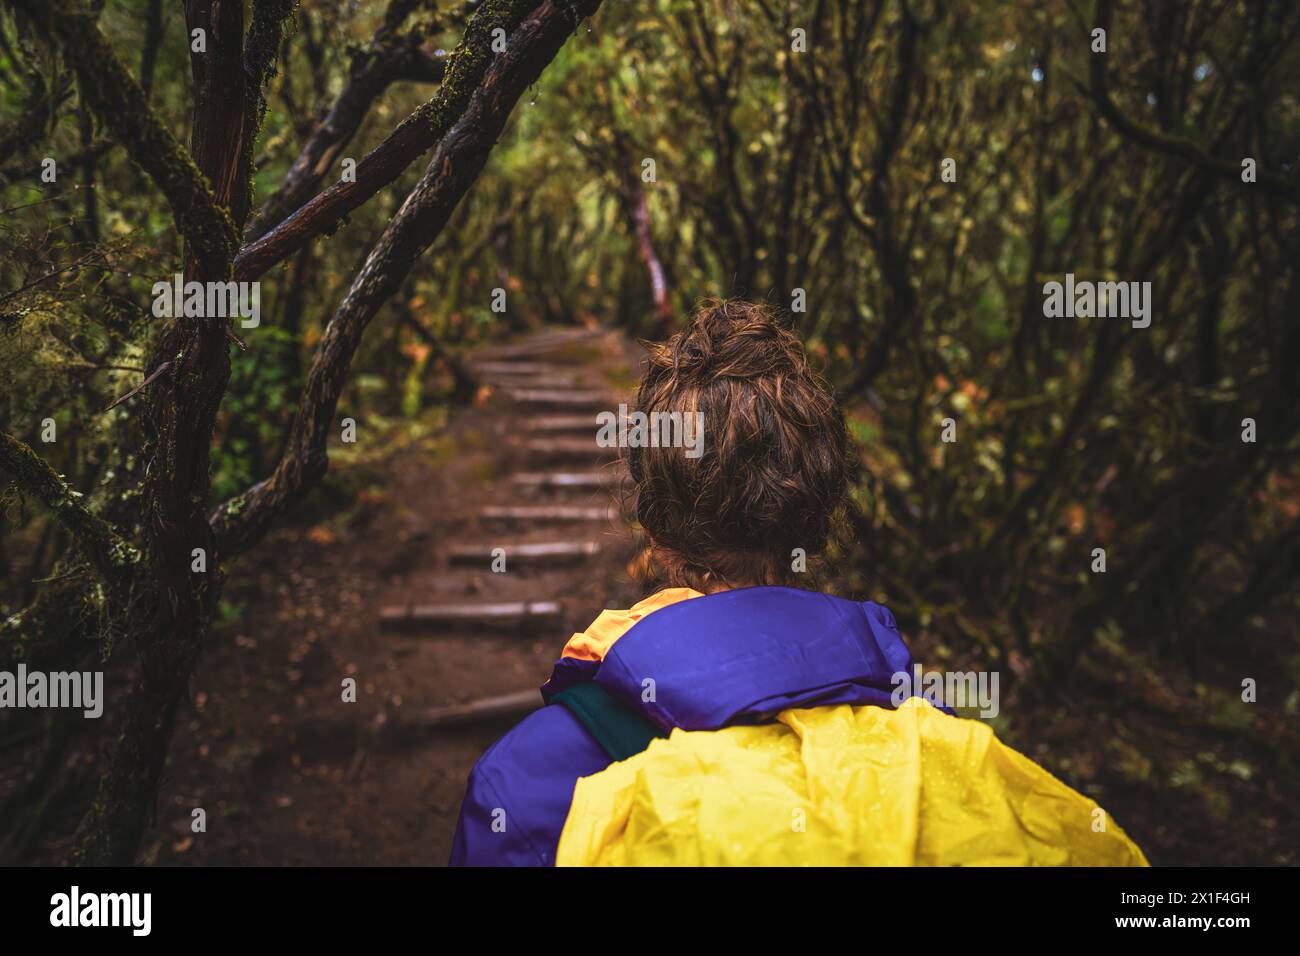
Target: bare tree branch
column 456, row 164
column 418, row 132
column 387, row 59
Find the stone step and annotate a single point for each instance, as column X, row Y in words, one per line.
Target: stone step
column 526, row 553
column 568, row 480
column 513, row 614
column 545, row 514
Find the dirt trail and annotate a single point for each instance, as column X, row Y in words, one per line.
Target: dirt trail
column 402, row 597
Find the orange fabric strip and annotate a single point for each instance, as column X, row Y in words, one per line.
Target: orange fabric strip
column 594, row 643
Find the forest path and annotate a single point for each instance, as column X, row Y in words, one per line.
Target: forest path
column 399, row 593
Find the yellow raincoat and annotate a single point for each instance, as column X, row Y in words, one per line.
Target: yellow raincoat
column 838, row 786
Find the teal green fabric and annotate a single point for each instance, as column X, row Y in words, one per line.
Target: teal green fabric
column 620, row 731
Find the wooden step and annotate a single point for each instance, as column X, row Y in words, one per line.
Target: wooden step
column 545, row 514
column 535, row 345
column 554, row 383
column 510, row 369
column 558, row 397
column 562, row 423
column 521, row 352
column 558, row 336
column 583, row 448
column 528, row 553
column 485, row 708
column 510, row 614
column 568, row 480
column 545, row 377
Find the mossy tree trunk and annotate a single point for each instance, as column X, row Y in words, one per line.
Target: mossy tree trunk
column 180, row 416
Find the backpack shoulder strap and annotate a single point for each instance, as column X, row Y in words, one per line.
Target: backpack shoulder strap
column 620, row 730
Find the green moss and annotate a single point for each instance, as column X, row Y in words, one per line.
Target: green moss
column 119, row 103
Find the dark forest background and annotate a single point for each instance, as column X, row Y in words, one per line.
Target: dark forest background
column 811, row 180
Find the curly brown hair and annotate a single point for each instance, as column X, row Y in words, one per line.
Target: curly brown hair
column 774, row 468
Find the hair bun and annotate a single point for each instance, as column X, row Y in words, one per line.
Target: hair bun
column 731, row 338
